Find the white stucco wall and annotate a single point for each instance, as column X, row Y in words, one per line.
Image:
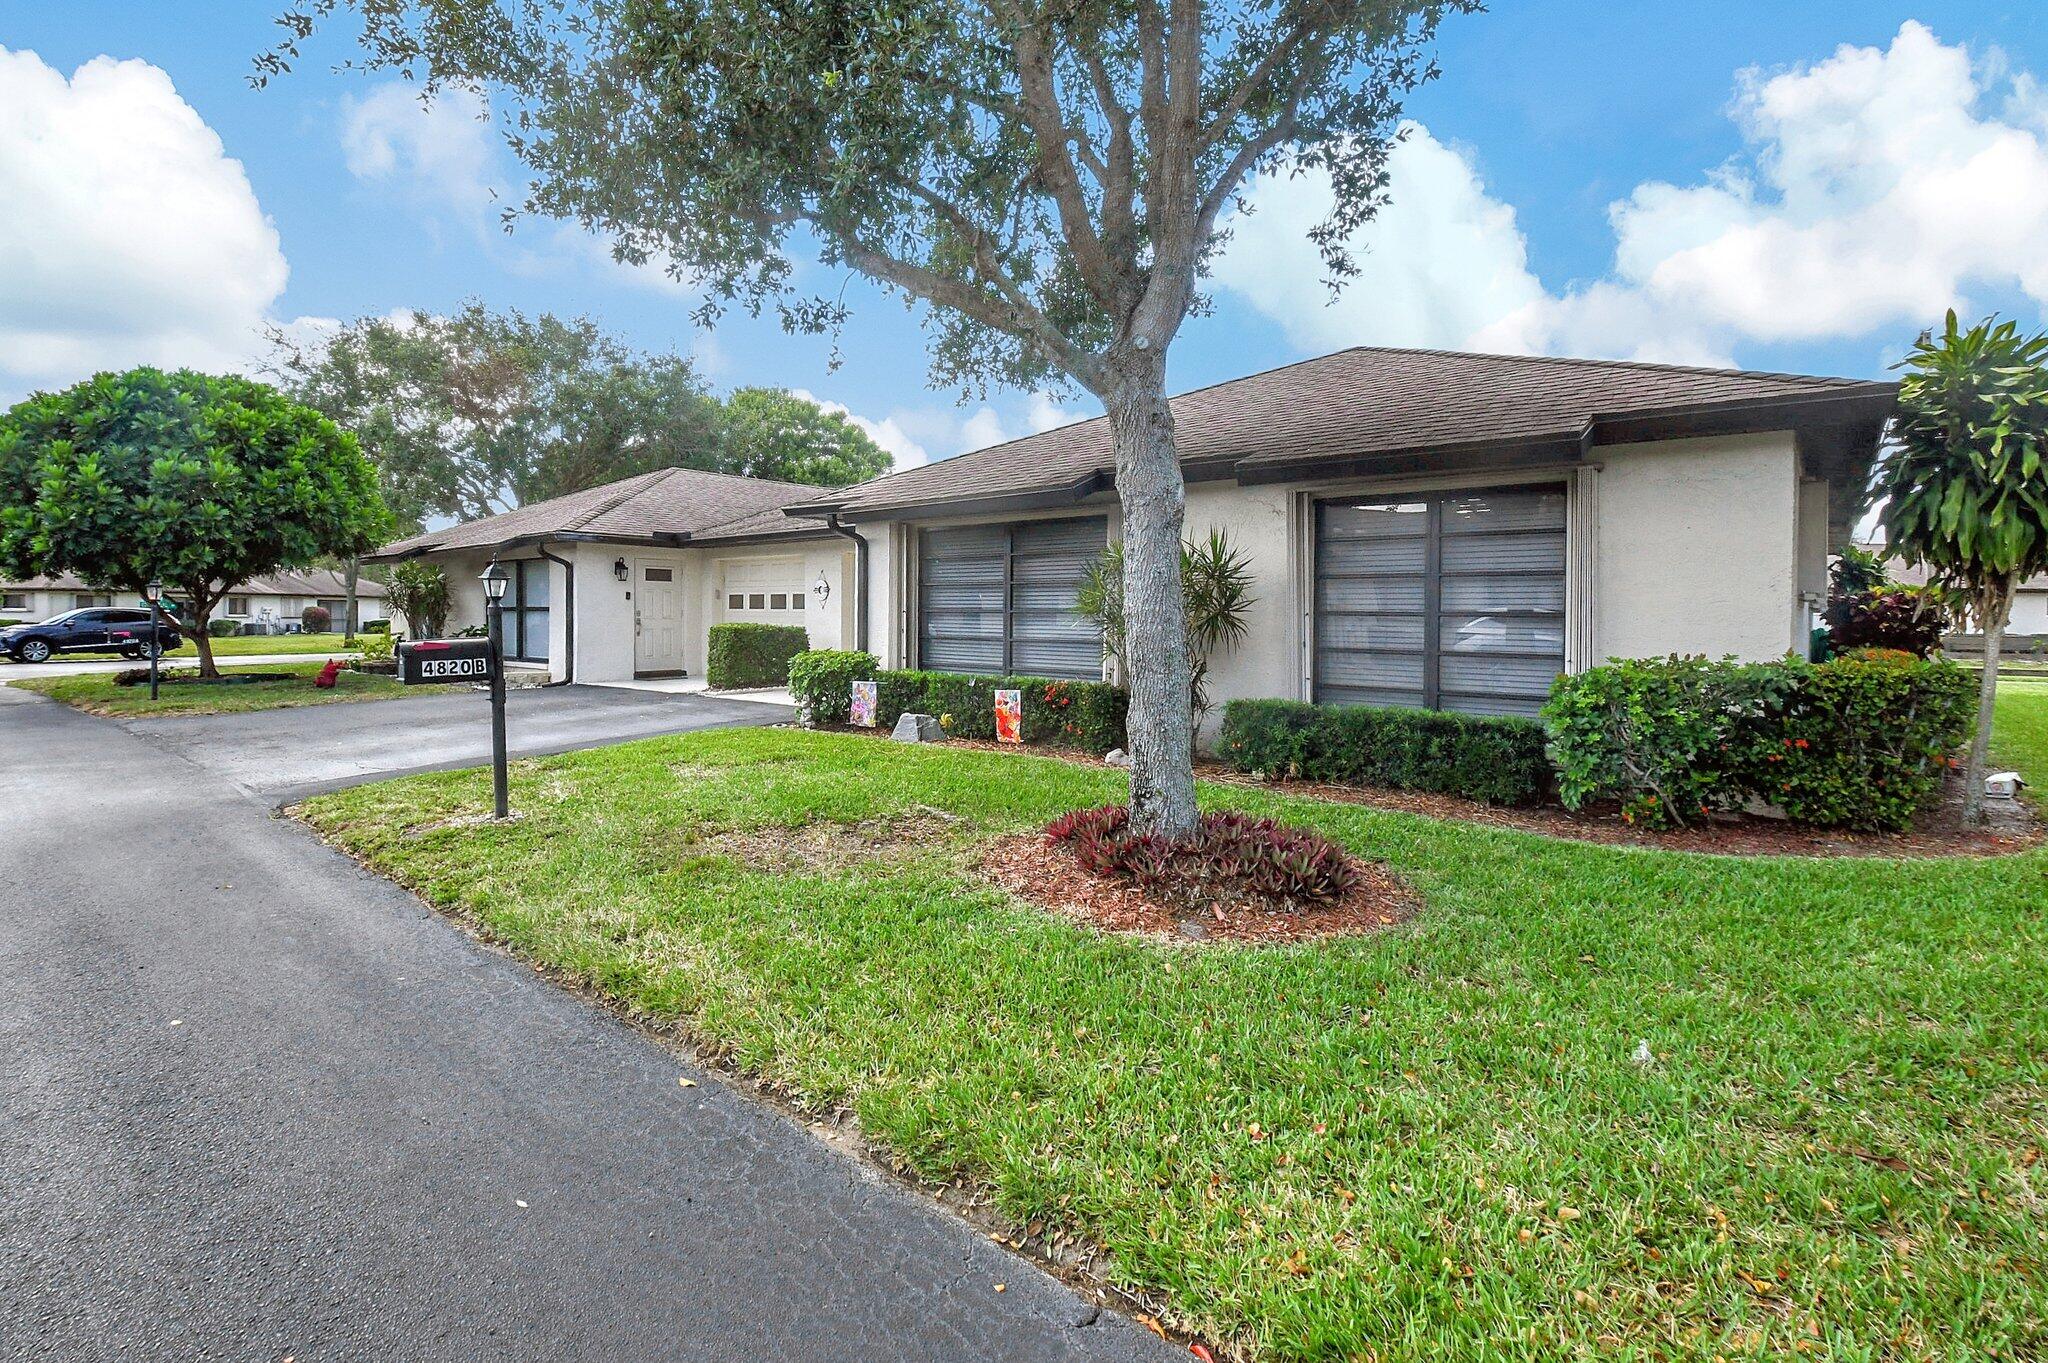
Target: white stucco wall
column 1699, row 549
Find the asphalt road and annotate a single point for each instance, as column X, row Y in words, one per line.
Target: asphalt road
column 286, row 755
column 256, row 1103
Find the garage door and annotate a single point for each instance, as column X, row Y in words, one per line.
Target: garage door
column 999, row 599
column 1448, row 602
column 766, row 591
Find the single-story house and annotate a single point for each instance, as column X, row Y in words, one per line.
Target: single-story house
column 275, row 599
column 1425, row 527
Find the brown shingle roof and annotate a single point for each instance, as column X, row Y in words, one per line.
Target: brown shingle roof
column 1358, row 403
column 663, row 504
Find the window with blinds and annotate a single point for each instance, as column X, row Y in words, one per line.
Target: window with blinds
column 1451, row 601
column 999, row 599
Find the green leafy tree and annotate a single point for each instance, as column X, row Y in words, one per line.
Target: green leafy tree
column 773, row 433
column 1216, row 592
column 1047, row 178
column 203, row 481
column 1965, row 485
column 419, row 591
column 477, row 412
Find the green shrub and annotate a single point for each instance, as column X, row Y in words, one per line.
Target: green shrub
column 377, row 648
column 1079, row 714
column 1859, row 741
column 1481, row 757
column 315, row 619
column 821, row 682
column 375, row 627
column 742, row 654
column 1863, row 740
column 965, row 704
column 223, row 629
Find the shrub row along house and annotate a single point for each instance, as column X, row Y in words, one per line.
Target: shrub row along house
column 1426, row 528
column 277, row 600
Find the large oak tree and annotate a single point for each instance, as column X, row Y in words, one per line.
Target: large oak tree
column 1047, row 175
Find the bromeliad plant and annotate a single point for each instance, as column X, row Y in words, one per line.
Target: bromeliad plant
column 1229, row 855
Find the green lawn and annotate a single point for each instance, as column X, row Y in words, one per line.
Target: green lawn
column 259, row 645
column 1432, row 1143
column 95, row 691
column 2019, row 734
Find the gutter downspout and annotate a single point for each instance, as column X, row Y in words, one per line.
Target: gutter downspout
column 569, row 620
column 860, row 573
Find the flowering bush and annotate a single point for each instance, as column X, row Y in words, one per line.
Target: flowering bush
column 1858, row 742
column 1903, row 618
column 1230, row 853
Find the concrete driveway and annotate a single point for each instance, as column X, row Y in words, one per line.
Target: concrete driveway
column 256, row 1103
column 284, row 755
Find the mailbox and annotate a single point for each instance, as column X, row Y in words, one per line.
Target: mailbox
column 438, row 662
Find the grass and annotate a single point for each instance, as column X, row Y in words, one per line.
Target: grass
column 1432, row 1143
column 2019, row 730
column 96, row 693
column 247, row 646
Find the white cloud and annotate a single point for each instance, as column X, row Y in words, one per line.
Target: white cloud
column 918, row 435
column 887, row 433
column 1441, row 260
column 443, row 156
column 129, row 235
column 1878, row 188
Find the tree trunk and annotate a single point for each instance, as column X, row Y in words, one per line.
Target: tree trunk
column 1148, row 481
column 203, row 642
column 348, row 609
column 1996, row 611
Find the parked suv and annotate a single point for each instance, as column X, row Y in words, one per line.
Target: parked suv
column 104, row 629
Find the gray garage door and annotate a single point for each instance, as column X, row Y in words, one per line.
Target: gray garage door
column 999, row 599
column 1452, row 601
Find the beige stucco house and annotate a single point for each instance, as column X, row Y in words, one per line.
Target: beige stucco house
column 1427, row 528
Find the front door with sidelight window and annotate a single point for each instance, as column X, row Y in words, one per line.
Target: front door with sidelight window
column 658, row 628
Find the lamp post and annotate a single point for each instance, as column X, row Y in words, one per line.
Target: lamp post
column 494, row 581
column 154, row 592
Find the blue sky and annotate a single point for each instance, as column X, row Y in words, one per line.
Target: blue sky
column 1783, row 203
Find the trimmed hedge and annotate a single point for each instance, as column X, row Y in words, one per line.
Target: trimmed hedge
column 315, row 620
column 223, row 629
column 743, row 654
column 1497, row 759
column 821, row 682
column 1079, row 714
column 1860, row 741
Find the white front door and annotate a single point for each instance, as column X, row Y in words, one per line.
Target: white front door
column 763, row 591
column 658, row 632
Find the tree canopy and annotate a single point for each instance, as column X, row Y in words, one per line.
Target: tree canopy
column 200, row 480
column 774, row 433
column 1046, row 176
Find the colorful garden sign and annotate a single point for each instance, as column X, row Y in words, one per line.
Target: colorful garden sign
column 863, row 709
column 1009, row 716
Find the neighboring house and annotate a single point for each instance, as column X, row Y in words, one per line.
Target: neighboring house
column 2029, row 603
column 1425, row 528
column 276, row 599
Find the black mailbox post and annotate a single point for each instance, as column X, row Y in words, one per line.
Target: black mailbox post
column 440, row 662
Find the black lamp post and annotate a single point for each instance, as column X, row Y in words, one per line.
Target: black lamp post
column 494, row 581
column 154, row 592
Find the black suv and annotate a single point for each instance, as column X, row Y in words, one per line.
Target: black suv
column 103, row 629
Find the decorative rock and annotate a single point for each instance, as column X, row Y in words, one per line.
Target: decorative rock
column 1117, row 757
column 918, row 729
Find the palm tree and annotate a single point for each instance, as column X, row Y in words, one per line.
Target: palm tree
column 1966, row 479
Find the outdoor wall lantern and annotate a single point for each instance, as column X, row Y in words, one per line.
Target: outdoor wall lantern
column 493, row 578
column 620, row 570
column 821, row 589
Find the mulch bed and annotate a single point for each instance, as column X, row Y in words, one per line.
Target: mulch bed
column 2013, row 824
column 1049, row 877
